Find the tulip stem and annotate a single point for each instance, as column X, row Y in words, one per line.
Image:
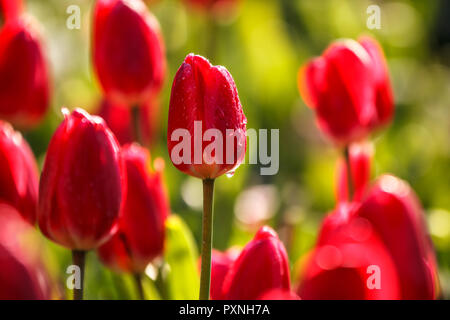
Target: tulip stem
column 348, row 169
column 136, row 122
column 207, row 221
column 139, row 285
column 79, row 259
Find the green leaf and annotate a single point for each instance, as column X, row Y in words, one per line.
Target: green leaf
column 181, row 256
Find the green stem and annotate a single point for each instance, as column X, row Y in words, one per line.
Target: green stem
column 350, row 187
column 139, row 285
column 79, row 259
column 207, row 221
column 136, row 119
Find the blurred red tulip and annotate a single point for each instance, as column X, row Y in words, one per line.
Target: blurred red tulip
column 24, row 83
column 22, row 275
column 205, row 97
column 82, row 183
column 119, row 120
column 10, row 9
column 360, row 158
column 384, row 100
column 395, row 213
column 128, row 51
column 140, row 238
column 349, row 89
column 279, row 294
column 18, row 173
column 349, row 262
column 261, row 266
column 220, row 265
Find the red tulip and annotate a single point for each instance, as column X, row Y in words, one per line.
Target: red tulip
column 205, row 97
column 384, row 100
column 349, row 89
column 18, row 173
column 220, row 265
column 140, row 238
column 349, row 262
column 22, row 275
column 360, row 158
column 10, row 9
column 395, row 213
column 24, row 83
column 81, row 186
column 128, row 51
column 262, row 265
column 119, row 120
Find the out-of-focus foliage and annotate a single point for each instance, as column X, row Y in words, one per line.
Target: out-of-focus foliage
column 263, row 45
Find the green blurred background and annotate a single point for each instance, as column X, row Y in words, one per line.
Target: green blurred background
column 263, row 43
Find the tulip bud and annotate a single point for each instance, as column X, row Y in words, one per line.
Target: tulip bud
column 220, row 265
column 18, row 173
column 22, row 274
column 81, row 186
column 262, row 265
column 349, row 262
column 128, row 51
column 24, row 83
column 349, row 90
column 395, row 213
column 204, row 105
column 140, row 238
column 360, row 157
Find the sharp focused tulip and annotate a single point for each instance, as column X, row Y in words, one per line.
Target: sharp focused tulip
column 348, row 88
column 22, row 275
column 119, row 120
column 360, row 158
column 24, row 83
column 350, row 261
column 81, row 186
column 128, row 51
column 140, row 238
column 205, row 97
column 395, row 213
column 18, row 173
column 261, row 266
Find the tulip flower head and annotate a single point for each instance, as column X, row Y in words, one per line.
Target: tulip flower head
column 22, row 274
column 82, row 183
column 348, row 87
column 206, row 115
column 24, row 82
column 128, row 51
column 18, row 172
column 350, row 261
column 140, row 237
column 261, row 266
column 395, row 213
